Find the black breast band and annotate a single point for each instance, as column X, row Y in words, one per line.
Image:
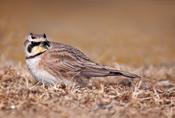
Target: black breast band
column 30, row 57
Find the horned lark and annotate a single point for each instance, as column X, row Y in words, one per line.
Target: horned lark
column 51, row 62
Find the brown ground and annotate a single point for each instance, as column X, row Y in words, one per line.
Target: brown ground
column 138, row 35
column 152, row 96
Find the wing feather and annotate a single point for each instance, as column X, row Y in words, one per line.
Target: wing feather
column 62, row 62
column 65, row 61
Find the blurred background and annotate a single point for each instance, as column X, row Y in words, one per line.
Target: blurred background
column 109, row 31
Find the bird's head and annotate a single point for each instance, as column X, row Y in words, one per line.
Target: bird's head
column 36, row 44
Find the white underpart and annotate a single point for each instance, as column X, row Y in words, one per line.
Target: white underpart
column 40, row 74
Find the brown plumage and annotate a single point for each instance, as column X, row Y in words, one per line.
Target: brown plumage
column 66, row 62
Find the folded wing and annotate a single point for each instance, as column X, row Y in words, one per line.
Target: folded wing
column 66, row 61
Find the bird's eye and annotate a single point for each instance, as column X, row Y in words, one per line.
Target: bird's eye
column 46, row 43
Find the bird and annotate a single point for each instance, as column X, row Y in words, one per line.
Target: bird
column 51, row 62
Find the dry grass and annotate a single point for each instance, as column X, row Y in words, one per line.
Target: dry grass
column 153, row 96
column 137, row 33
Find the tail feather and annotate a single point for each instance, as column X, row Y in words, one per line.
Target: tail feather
column 123, row 73
column 103, row 72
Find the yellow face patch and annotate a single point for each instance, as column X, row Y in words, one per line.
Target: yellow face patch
column 38, row 49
